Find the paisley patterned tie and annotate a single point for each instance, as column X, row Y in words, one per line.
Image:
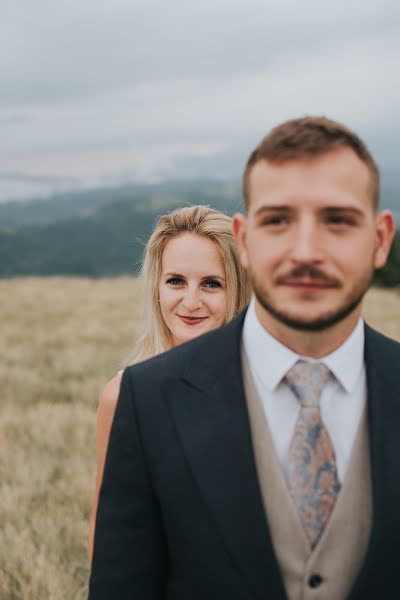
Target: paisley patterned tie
column 313, row 480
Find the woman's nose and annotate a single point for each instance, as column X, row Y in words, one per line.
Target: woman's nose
column 191, row 299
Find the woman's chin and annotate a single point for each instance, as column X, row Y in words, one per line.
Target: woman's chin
column 186, row 336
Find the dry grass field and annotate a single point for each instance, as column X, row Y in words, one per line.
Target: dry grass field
column 61, row 340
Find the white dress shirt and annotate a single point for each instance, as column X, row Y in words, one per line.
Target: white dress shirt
column 342, row 400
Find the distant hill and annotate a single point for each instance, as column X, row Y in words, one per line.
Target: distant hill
column 103, row 232
column 149, row 196
column 101, row 239
column 103, row 243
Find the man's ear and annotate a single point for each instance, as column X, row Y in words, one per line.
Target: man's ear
column 385, row 230
column 239, row 225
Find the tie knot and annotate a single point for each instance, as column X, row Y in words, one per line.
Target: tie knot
column 307, row 380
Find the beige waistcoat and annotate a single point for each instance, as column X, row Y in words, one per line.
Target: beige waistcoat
column 340, row 553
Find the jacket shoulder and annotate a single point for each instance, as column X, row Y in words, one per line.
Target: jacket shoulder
column 378, row 339
column 381, row 350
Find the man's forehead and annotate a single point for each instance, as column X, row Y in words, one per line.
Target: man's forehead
column 336, row 174
column 338, row 159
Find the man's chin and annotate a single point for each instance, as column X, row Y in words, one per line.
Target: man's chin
column 310, row 320
column 314, row 323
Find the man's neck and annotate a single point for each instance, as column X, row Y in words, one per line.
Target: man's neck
column 314, row 344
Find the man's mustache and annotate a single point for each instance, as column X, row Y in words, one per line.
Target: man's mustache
column 311, row 273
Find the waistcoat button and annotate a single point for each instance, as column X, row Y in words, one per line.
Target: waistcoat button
column 315, row 580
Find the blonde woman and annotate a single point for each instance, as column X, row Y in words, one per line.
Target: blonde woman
column 193, row 283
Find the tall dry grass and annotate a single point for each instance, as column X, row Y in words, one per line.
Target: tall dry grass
column 61, row 340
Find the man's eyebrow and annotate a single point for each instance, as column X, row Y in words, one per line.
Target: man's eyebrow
column 342, row 209
column 273, row 208
column 346, row 211
column 325, row 209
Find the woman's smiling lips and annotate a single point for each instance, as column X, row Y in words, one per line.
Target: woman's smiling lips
column 192, row 320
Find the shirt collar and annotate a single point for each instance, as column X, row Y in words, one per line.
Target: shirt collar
column 347, row 361
column 263, row 350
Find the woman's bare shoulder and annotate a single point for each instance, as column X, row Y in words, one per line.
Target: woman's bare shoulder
column 110, row 393
column 108, row 402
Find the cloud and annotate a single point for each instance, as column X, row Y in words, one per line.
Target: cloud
column 101, row 89
column 61, row 52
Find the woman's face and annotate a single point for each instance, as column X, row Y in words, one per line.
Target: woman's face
column 192, row 290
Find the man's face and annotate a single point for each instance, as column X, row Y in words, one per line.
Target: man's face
column 311, row 239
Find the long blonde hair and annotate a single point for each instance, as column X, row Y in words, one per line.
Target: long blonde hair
column 154, row 337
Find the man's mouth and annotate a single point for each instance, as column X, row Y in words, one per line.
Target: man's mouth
column 308, row 278
column 309, row 284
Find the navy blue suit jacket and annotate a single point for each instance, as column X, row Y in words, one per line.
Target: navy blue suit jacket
column 180, row 513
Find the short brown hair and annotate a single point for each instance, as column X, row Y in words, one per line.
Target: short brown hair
column 307, row 138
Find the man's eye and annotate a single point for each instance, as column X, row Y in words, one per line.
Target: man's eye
column 275, row 221
column 174, row 281
column 212, row 283
column 340, row 220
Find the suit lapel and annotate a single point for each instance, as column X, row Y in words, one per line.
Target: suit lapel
column 209, row 410
column 382, row 359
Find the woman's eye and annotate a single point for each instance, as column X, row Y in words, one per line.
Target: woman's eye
column 174, row 281
column 212, row 283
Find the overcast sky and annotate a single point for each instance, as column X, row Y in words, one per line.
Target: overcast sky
column 100, row 92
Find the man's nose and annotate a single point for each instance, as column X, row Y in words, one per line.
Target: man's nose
column 307, row 244
column 191, row 299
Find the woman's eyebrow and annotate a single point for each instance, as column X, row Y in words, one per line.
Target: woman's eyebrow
column 214, row 277
column 174, row 274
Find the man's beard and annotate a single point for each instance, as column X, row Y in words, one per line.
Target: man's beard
column 324, row 321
